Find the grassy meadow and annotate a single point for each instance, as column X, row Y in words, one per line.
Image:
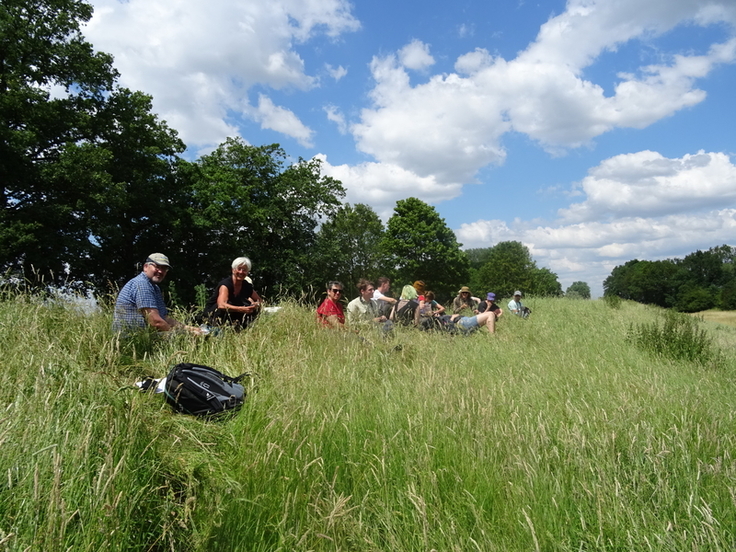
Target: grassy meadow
column 721, row 317
column 557, row 433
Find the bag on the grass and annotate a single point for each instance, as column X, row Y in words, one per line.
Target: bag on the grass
column 202, row 391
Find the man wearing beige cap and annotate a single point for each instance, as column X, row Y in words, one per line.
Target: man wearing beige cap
column 140, row 303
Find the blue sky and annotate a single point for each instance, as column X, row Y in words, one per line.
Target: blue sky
column 593, row 131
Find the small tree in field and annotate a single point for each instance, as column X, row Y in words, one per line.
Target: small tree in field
column 420, row 246
column 578, row 290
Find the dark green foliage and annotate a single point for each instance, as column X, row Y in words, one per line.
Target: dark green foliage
column 578, row 290
column 421, row 246
column 509, row 266
column 613, row 301
column 690, row 284
column 706, row 268
column 246, row 200
column 650, row 282
column 728, row 295
column 478, row 256
column 677, row 338
column 86, row 175
column 138, row 208
column 695, row 299
column 41, row 47
column 348, row 247
column 544, row 283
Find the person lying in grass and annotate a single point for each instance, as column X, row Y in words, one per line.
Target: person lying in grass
column 472, row 323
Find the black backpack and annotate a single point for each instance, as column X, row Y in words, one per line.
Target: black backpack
column 202, row 391
column 404, row 311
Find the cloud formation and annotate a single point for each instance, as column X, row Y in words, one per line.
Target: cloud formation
column 639, row 205
column 453, row 125
column 199, row 60
column 648, row 184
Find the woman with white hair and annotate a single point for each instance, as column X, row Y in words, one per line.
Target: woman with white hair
column 234, row 300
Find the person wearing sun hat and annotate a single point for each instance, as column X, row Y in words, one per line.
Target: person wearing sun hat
column 464, row 302
column 483, row 314
column 140, row 304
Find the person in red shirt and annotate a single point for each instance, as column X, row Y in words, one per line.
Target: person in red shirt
column 330, row 313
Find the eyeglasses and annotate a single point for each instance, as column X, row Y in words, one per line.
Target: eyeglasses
column 333, row 290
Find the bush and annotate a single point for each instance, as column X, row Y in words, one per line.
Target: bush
column 728, row 295
column 678, row 338
column 613, row 301
column 695, row 299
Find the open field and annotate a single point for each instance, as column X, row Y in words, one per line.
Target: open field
column 554, row 434
column 721, row 317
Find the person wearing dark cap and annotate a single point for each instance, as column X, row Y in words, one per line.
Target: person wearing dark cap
column 490, row 305
column 140, row 303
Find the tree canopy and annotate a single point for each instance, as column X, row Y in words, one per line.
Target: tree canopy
column 348, row 247
column 699, row 281
column 420, row 246
column 509, row 267
column 248, row 199
column 85, row 171
column 578, row 290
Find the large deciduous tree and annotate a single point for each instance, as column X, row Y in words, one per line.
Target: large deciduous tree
column 420, row 246
column 247, row 200
column 349, row 247
column 696, row 282
column 509, row 267
column 42, row 49
column 85, row 168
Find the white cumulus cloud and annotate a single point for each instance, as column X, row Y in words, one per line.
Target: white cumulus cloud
column 453, row 124
column 282, row 120
column 648, row 184
column 641, row 205
column 416, row 56
column 199, row 59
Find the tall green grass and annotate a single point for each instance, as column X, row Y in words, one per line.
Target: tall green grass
column 553, row 434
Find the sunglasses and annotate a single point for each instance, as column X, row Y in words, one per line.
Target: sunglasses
column 333, row 290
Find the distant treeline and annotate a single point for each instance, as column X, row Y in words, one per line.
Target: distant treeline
column 700, row 281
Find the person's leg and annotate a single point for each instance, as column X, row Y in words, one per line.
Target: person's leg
column 489, row 319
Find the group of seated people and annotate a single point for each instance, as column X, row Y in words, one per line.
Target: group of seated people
column 415, row 306
column 140, row 304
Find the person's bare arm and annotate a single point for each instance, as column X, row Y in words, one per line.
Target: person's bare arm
column 165, row 324
column 222, row 304
column 155, row 320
